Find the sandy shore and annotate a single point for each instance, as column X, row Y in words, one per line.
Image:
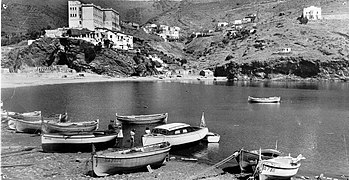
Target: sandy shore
column 12, row 80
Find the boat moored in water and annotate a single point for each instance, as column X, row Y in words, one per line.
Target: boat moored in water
column 274, row 99
column 212, row 137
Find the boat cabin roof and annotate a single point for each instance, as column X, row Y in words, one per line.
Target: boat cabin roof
column 172, row 126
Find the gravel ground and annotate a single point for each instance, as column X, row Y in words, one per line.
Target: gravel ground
column 40, row 165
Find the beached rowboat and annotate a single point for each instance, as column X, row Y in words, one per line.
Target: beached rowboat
column 143, row 119
column 28, row 116
column 63, row 127
column 24, row 126
column 108, row 163
column 33, row 126
column 175, row 133
column 282, row 167
column 248, row 159
column 77, row 142
column 264, row 100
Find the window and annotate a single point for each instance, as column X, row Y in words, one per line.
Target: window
column 185, row 130
column 177, row 132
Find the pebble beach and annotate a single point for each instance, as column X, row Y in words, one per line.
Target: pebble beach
column 23, row 158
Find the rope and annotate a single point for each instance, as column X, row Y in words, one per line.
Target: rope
column 215, row 165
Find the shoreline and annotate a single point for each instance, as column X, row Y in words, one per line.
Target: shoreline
column 14, row 80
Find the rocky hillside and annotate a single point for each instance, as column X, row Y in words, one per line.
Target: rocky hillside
column 276, row 27
column 83, row 56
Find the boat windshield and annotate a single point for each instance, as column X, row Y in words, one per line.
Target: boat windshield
column 159, row 131
column 176, row 131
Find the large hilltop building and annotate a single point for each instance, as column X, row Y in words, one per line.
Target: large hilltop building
column 91, row 16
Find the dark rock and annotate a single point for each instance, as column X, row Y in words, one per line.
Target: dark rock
column 81, row 55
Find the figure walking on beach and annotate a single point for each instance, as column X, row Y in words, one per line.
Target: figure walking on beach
column 132, row 136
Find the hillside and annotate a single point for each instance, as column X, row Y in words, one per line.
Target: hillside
column 276, row 27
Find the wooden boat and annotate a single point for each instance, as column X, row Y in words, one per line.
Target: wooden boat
column 264, row 100
column 60, row 127
column 108, row 163
column 143, row 119
column 248, row 159
column 28, row 116
column 77, row 142
column 11, row 124
column 24, row 126
column 28, row 125
column 212, row 137
column 175, row 133
column 282, row 167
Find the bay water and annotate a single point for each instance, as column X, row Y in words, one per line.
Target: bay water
column 312, row 118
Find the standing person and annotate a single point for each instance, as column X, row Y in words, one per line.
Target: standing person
column 147, row 131
column 111, row 126
column 132, row 136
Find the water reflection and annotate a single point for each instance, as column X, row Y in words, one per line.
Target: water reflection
column 208, row 153
column 290, row 85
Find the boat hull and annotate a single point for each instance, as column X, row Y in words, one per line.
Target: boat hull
column 29, row 116
column 264, row 100
column 76, row 143
column 143, row 119
column 51, row 127
column 248, row 160
column 274, row 173
column 107, row 165
column 212, row 137
column 176, row 140
column 27, row 126
column 278, row 168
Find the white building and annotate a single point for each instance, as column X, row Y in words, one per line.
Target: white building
column 312, row 13
column 119, row 40
column 222, row 24
column 91, row 16
column 238, row 22
column 53, row 33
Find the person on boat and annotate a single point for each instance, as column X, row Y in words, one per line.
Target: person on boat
column 64, row 117
column 111, row 126
column 132, row 136
column 147, row 131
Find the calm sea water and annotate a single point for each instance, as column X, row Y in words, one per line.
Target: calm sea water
column 312, row 119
